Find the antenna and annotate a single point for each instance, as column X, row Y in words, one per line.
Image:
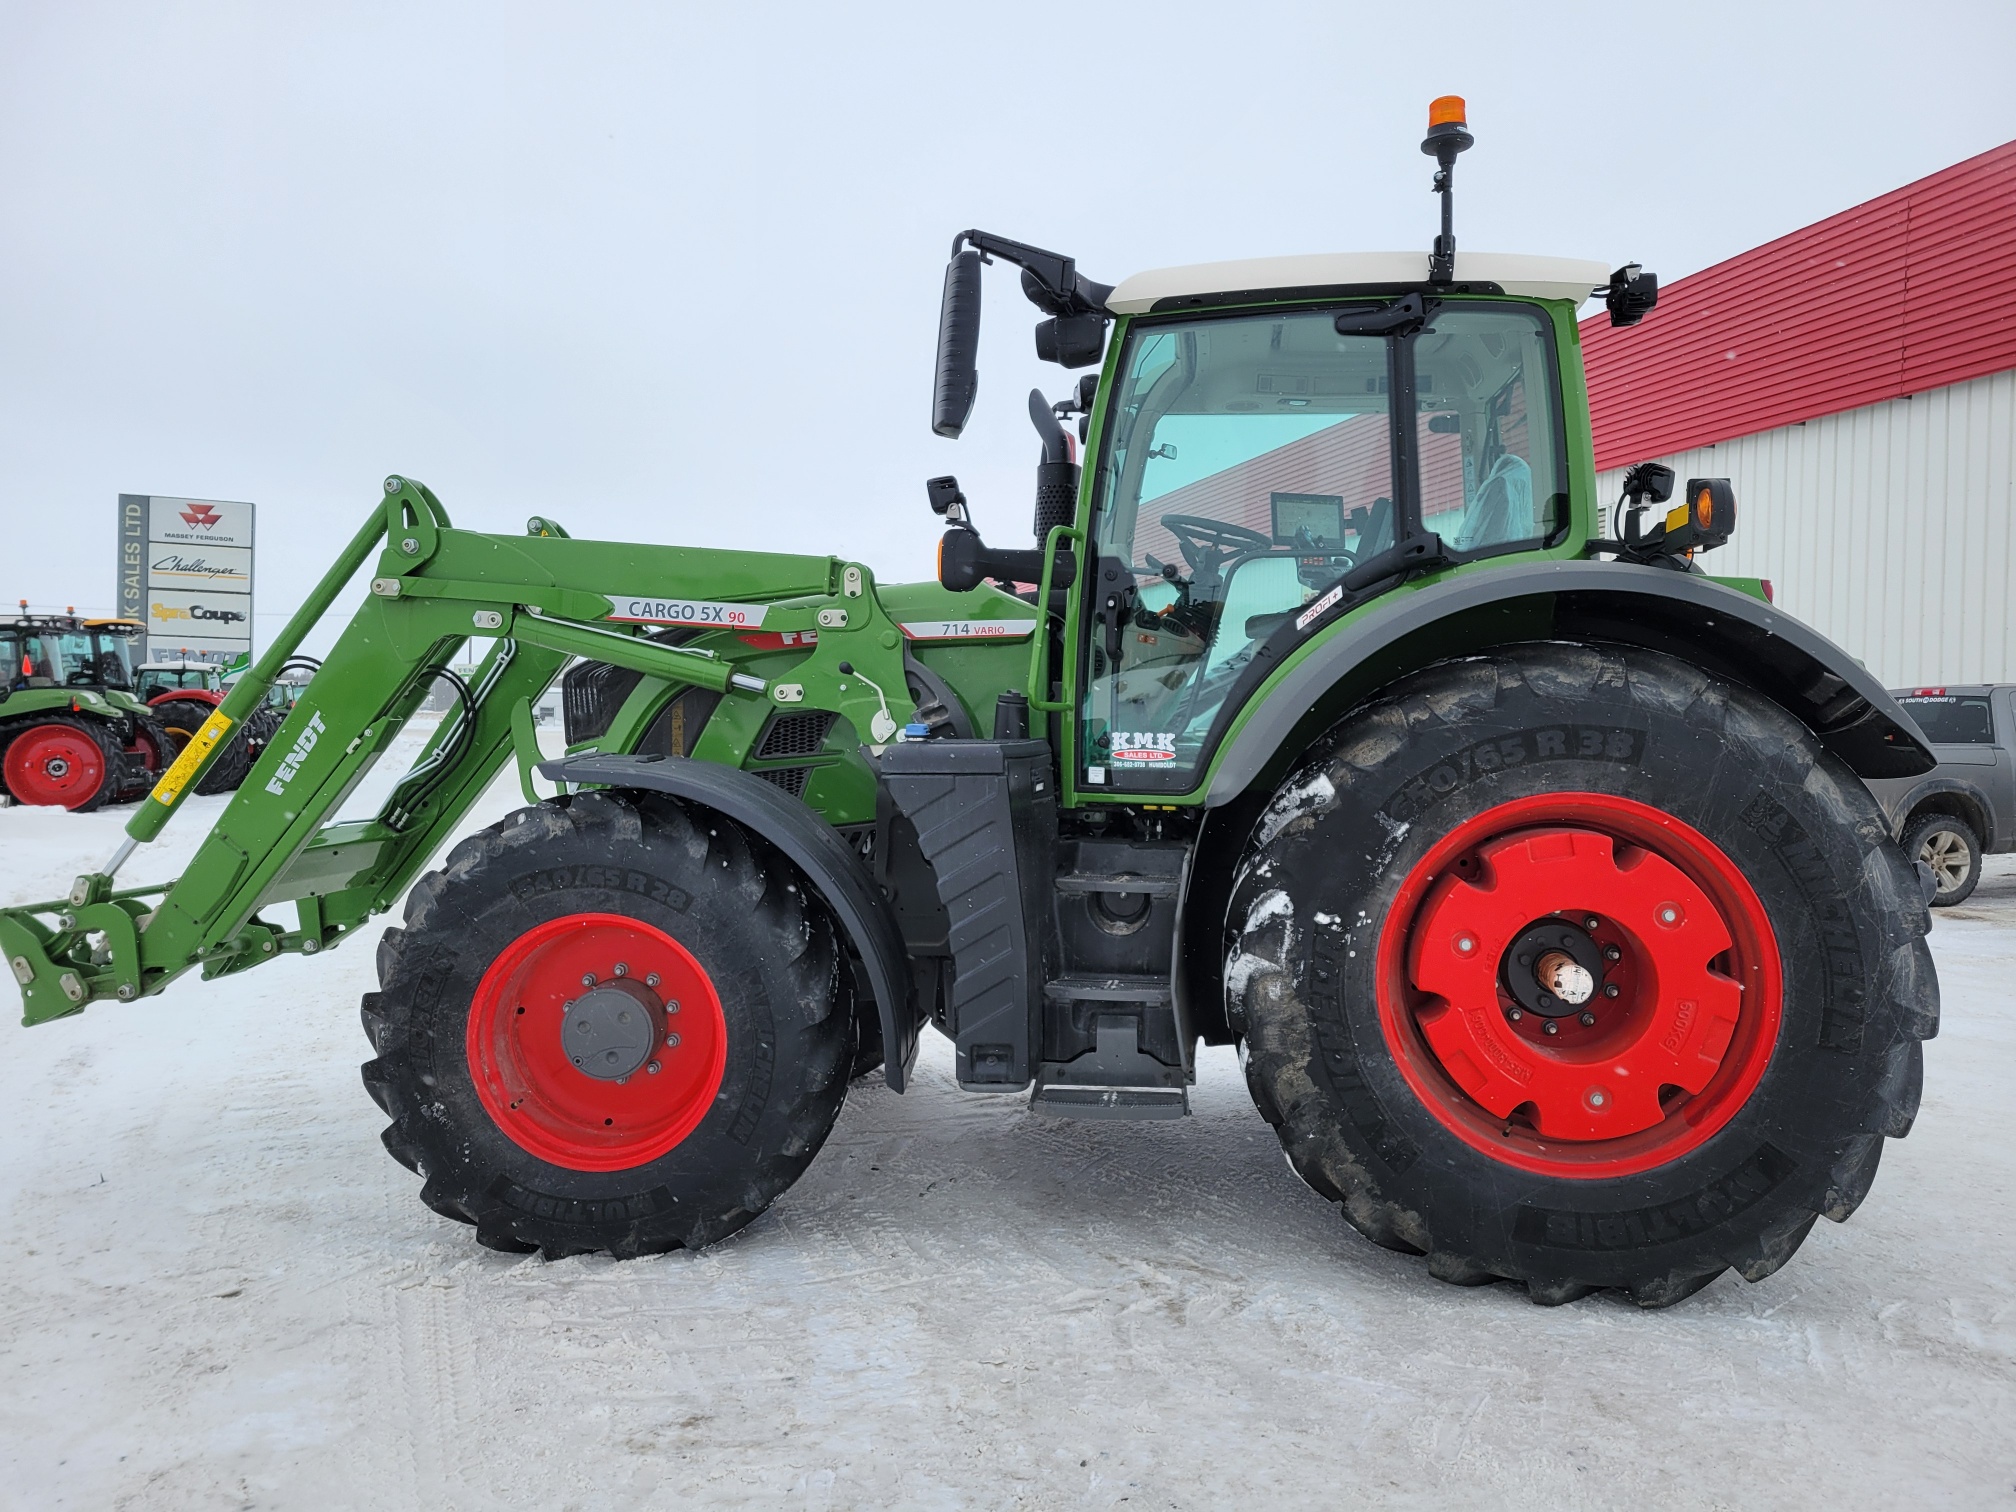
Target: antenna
column 1448, row 134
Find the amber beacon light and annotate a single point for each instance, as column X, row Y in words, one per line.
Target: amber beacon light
column 1448, row 134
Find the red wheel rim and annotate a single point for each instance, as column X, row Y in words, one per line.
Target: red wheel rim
column 1679, row 934
column 54, row 765
column 530, row 1079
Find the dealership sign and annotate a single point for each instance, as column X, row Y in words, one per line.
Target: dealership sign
column 185, row 572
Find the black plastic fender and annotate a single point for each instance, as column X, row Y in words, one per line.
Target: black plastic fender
column 1685, row 615
column 813, row 846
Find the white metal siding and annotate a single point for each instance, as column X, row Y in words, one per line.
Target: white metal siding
column 1886, row 528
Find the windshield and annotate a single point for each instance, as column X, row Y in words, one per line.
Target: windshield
column 112, row 661
column 1249, row 463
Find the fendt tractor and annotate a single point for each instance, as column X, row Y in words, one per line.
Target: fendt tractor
column 1529, row 868
column 73, row 734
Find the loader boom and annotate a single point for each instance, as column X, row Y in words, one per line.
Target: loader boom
column 434, row 589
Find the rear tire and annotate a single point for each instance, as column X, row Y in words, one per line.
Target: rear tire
column 1951, row 848
column 1539, row 789
column 478, row 995
column 60, row 762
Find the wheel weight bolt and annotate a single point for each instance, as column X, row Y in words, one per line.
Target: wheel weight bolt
column 1611, row 989
column 1588, row 1018
column 1550, row 1027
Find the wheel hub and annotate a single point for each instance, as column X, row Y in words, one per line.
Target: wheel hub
column 1552, row 968
column 612, row 1029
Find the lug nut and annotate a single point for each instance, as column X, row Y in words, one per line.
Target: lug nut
column 1612, row 953
column 651, row 980
column 1611, row 989
column 1515, row 1014
column 651, row 1067
column 1588, row 1019
column 622, row 968
column 672, row 1040
column 1550, row 1027
column 1465, row 945
column 1669, row 915
column 587, row 979
column 1592, row 923
column 673, row 1006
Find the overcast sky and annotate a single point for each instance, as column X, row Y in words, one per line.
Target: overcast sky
column 671, row 273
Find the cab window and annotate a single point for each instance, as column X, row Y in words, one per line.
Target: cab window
column 1248, row 464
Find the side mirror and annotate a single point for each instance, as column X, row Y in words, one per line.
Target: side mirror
column 958, row 377
column 1071, row 341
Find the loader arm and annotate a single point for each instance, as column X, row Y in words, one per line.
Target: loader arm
column 541, row 599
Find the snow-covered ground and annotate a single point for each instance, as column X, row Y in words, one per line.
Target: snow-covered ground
column 219, row 1292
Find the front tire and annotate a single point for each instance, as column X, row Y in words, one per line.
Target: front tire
column 1664, row 871
column 608, row 1026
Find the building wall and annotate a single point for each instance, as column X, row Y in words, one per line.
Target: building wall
column 1886, row 527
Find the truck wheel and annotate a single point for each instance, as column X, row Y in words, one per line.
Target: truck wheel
column 608, row 1026
column 59, row 762
column 1580, row 968
column 1951, row 848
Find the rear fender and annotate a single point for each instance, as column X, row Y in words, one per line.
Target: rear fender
column 813, row 846
column 1716, row 628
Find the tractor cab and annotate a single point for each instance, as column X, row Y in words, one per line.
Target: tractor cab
column 170, row 677
column 1256, row 467
column 65, row 651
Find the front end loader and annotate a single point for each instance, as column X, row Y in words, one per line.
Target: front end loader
column 1529, row 867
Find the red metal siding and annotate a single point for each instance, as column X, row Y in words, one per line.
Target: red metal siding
column 1912, row 291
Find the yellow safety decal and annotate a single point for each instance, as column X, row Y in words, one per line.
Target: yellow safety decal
column 169, row 788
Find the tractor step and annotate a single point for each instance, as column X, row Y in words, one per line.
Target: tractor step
column 1116, row 1077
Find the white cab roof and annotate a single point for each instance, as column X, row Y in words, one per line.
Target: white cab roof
column 1530, row 277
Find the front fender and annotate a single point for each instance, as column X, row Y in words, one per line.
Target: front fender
column 1716, row 628
column 813, row 846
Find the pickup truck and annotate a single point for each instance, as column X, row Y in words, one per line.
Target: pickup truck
column 1965, row 807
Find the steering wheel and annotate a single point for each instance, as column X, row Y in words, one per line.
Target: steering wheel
column 1197, row 536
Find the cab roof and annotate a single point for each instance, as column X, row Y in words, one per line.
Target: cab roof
column 1571, row 278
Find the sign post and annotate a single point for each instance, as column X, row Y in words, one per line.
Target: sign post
column 185, row 571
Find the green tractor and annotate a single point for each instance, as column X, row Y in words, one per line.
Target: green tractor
column 1529, row 868
column 72, row 733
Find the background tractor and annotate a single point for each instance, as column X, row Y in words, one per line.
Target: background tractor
column 72, row 733
column 182, row 694
column 1529, row 867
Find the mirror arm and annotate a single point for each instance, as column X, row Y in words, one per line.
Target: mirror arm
column 1059, row 288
